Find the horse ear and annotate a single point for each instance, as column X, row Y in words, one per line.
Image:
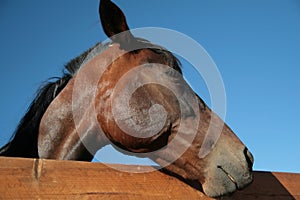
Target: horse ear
column 114, row 22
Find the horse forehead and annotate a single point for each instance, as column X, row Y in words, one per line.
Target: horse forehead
column 93, row 68
column 105, row 58
column 116, row 56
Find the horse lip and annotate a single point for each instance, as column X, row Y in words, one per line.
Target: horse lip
column 231, row 178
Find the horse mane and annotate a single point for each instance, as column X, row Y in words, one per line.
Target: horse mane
column 74, row 65
column 23, row 142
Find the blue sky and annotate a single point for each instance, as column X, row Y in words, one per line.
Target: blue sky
column 255, row 45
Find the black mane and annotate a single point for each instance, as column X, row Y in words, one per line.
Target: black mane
column 23, row 143
column 24, row 140
column 73, row 65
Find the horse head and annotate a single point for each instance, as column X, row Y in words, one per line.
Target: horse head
column 226, row 164
column 132, row 93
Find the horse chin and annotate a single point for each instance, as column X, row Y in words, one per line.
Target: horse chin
column 221, row 181
column 227, row 172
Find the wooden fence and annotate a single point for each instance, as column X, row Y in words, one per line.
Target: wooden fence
column 49, row 179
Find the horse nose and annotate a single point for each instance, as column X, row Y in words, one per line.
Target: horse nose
column 249, row 158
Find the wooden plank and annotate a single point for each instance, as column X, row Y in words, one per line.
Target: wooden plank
column 50, row 179
column 271, row 186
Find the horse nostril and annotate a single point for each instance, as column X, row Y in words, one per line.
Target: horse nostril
column 249, row 158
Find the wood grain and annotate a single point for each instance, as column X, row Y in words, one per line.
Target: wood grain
column 50, row 179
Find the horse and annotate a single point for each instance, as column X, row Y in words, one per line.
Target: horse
column 151, row 112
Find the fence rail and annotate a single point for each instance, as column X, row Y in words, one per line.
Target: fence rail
column 51, row 179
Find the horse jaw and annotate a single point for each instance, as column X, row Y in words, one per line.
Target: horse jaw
column 226, row 168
